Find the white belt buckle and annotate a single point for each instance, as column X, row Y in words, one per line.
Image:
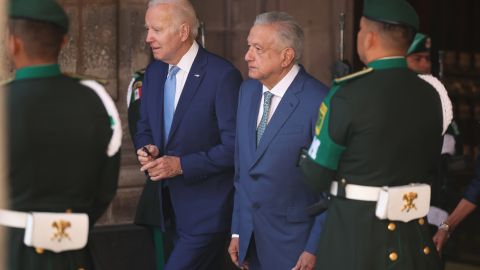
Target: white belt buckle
column 56, row 231
column 403, row 203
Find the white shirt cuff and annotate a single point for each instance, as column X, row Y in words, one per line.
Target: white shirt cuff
column 234, row 235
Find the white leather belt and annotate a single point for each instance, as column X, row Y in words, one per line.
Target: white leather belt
column 357, row 192
column 56, row 232
column 13, row 219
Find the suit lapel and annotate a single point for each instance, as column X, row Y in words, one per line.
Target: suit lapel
column 287, row 106
column 195, row 77
column 253, row 117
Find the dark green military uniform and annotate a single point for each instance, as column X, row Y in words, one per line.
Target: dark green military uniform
column 379, row 127
column 59, row 148
column 59, row 131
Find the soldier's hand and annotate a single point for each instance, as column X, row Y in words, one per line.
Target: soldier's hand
column 147, row 154
column 306, row 261
column 440, row 238
column 162, row 168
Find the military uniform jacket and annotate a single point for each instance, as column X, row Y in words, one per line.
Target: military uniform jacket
column 386, row 124
column 58, row 136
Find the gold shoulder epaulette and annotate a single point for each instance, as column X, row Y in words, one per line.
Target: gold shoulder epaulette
column 86, row 77
column 353, row 75
column 4, row 82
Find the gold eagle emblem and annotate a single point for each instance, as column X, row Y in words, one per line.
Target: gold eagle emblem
column 60, row 230
column 408, row 199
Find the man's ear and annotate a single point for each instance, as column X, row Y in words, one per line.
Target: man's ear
column 288, row 55
column 184, row 31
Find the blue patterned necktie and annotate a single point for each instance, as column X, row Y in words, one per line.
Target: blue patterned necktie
column 169, row 101
column 267, row 100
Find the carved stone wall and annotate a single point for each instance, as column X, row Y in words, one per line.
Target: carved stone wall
column 107, row 41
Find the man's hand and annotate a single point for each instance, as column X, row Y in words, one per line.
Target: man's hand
column 145, row 157
column 439, row 239
column 305, row 262
column 162, row 168
column 233, row 252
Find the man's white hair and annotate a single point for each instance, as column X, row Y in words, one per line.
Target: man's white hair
column 183, row 13
column 289, row 31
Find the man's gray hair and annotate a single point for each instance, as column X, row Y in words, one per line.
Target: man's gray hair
column 289, row 30
column 183, row 12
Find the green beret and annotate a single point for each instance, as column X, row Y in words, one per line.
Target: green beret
column 39, row 10
column 392, row 12
column 421, row 43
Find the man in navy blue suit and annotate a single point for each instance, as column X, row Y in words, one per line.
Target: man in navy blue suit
column 185, row 138
column 273, row 226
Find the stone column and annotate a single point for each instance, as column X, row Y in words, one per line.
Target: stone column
column 3, row 167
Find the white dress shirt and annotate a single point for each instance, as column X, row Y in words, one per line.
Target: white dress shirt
column 184, row 64
column 278, row 91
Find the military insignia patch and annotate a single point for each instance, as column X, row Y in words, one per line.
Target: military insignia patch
column 321, row 118
column 137, row 92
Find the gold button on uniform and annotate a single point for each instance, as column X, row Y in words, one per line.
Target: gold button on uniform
column 393, row 256
column 39, row 250
column 68, row 210
column 426, row 250
column 391, row 226
column 421, row 221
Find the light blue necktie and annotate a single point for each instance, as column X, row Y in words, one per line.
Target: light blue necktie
column 267, row 100
column 169, row 101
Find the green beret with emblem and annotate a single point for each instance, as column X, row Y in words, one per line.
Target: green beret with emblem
column 39, row 10
column 392, row 12
column 421, row 43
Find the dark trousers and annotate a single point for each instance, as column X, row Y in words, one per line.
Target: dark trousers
column 193, row 252
column 252, row 256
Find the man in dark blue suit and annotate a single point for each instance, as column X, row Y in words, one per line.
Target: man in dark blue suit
column 272, row 226
column 185, row 138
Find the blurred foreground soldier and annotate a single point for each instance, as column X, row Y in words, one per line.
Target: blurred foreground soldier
column 378, row 133
column 64, row 140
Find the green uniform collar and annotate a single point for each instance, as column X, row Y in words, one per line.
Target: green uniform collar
column 38, row 71
column 390, row 62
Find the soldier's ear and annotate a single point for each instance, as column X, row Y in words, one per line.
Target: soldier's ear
column 14, row 45
column 369, row 40
column 64, row 42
